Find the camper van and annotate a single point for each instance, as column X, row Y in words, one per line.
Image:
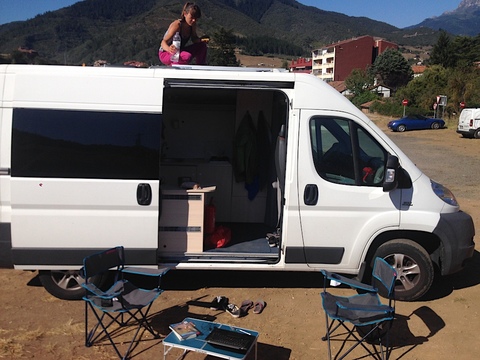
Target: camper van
column 211, row 168
column 469, row 123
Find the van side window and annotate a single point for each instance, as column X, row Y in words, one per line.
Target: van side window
column 345, row 153
column 85, row 144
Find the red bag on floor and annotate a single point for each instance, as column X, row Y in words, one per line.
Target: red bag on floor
column 220, row 237
column 209, row 223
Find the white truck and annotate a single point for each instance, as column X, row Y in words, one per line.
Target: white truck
column 469, row 123
column 301, row 180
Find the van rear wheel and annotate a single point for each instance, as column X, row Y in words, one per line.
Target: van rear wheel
column 414, row 268
column 65, row 284
column 477, row 134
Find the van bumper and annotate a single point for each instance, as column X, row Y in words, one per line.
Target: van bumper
column 456, row 232
column 467, row 133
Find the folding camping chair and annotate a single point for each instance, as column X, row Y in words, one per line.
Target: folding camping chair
column 363, row 313
column 123, row 303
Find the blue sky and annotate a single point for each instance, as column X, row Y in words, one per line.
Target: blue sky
column 400, row 13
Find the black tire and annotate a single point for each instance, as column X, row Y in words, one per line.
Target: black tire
column 401, row 128
column 477, row 134
column 414, row 267
column 435, row 125
column 65, row 284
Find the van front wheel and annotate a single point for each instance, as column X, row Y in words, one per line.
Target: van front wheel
column 413, row 265
column 65, row 284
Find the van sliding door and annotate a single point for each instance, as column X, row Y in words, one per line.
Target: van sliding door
column 82, row 181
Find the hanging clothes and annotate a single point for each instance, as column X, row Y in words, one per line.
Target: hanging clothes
column 264, row 150
column 245, row 166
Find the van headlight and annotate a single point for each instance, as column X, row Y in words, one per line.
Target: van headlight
column 443, row 193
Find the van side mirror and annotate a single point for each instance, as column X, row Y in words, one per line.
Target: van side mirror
column 390, row 182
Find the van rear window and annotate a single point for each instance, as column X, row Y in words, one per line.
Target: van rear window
column 85, row 144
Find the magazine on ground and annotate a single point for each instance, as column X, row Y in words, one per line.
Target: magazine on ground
column 184, row 330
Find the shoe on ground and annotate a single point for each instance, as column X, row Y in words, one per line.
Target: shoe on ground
column 233, row 310
column 219, row 303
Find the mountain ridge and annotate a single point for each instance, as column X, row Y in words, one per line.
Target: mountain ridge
column 120, row 30
column 464, row 20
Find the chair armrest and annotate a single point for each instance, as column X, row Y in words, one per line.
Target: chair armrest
column 347, row 281
column 146, row 271
column 364, row 307
column 100, row 293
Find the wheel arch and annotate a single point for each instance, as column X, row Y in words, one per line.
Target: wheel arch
column 430, row 242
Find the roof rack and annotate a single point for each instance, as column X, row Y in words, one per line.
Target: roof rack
column 220, row 68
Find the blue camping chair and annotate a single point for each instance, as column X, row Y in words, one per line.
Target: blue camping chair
column 363, row 313
column 123, row 303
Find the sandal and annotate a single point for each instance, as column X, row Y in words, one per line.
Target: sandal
column 259, row 306
column 246, row 305
column 233, row 310
column 219, row 303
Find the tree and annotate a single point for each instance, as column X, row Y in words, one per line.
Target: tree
column 222, row 49
column 391, row 69
column 359, row 83
column 422, row 92
column 465, row 50
column 442, row 52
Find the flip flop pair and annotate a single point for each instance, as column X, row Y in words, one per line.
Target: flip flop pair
column 257, row 307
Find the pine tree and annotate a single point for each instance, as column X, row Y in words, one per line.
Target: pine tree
column 222, row 49
column 442, row 52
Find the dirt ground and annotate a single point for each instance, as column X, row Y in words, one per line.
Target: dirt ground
column 445, row 324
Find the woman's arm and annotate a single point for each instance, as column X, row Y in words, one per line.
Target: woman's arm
column 167, row 38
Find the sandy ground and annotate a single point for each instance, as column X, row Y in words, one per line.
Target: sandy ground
column 445, row 324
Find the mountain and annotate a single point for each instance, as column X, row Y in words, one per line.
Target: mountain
column 464, row 20
column 121, row 30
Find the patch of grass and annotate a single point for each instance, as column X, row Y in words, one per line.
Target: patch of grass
column 9, row 348
column 71, row 327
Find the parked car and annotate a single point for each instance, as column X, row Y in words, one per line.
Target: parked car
column 469, row 123
column 415, row 122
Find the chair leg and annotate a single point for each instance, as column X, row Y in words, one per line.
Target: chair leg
column 136, row 315
column 359, row 341
column 92, row 336
column 327, row 335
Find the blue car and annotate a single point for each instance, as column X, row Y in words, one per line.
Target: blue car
column 415, row 122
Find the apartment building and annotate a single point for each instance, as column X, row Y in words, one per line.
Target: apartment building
column 335, row 62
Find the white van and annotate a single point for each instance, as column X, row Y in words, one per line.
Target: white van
column 301, row 180
column 469, row 123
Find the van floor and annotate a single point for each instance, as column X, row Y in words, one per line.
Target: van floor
column 247, row 238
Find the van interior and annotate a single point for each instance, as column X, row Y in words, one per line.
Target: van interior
column 222, row 167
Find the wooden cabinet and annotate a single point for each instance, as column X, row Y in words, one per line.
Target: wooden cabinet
column 218, row 174
column 181, row 220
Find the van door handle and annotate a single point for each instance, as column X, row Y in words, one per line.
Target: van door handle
column 310, row 195
column 144, row 194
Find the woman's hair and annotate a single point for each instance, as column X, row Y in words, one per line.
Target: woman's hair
column 193, row 9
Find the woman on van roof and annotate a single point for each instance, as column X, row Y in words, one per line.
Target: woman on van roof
column 186, row 26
